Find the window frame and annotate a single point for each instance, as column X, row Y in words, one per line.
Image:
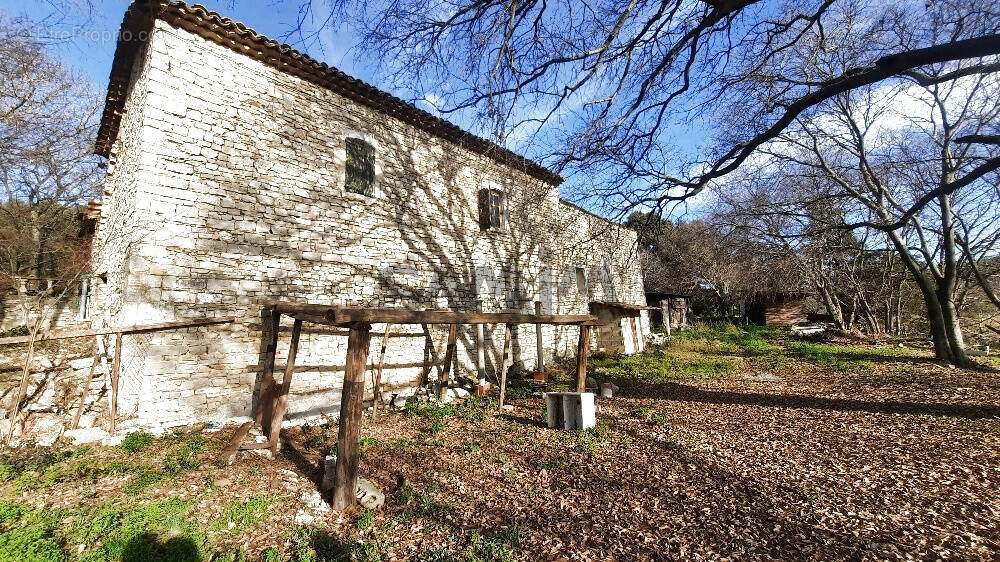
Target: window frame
column 342, row 154
column 486, row 196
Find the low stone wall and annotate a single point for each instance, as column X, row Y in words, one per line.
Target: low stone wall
column 22, row 310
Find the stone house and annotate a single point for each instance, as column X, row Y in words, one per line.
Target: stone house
column 240, row 170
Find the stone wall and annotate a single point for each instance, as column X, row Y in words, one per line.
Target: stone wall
column 56, row 312
column 226, row 188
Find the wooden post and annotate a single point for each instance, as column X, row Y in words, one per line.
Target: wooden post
column 102, row 352
column 504, row 363
column 349, row 431
column 666, row 315
column 116, row 370
column 539, row 349
column 449, row 358
column 228, row 454
column 582, row 348
column 83, row 397
column 635, row 335
column 22, row 389
column 265, row 398
column 281, row 400
column 481, row 352
column 377, row 386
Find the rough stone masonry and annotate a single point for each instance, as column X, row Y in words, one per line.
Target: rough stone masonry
column 226, row 187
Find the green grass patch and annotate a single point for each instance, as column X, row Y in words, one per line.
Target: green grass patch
column 589, row 441
column 162, row 530
column 310, row 544
column 33, row 542
column 184, row 457
column 838, row 358
column 422, row 503
column 239, row 515
column 136, row 442
column 498, row 548
column 652, row 416
column 366, row 519
column 476, row 409
column 433, row 413
column 729, row 338
column 656, row 368
column 143, row 477
column 470, row 447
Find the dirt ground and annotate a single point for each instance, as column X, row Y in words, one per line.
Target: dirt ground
column 725, row 446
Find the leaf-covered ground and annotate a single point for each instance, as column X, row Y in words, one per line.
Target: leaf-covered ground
column 729, row 444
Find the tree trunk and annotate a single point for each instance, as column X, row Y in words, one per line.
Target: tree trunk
column 935, row 316
column 953, row 331
column 832, row 308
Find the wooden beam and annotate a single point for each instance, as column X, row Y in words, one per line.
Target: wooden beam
column 349, row 430
column 337, row 315
column 281, row 399
column 582, row 349
column 135, row 329
column 539, row 350
column 449, row 359
column 265, row 397
column 22, row 388
column 228, row 454
column 83, row 397
column 377, row 386
column 116, row 370
column 504, row 364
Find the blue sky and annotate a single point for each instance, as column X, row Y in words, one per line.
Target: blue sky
column 90, row 43
column 87, row 40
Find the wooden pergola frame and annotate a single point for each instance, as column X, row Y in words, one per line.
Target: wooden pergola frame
column 273, row 403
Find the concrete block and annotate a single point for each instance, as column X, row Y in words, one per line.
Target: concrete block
column 571, row 410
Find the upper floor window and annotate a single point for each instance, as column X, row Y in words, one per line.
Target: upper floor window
column 490, row 209
column 360, row 168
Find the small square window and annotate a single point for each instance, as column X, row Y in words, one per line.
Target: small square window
column 490, row 209
column 360, row 171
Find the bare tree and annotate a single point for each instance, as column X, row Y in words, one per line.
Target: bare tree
column 48, row 120
column 621, row 84
column 911, row 162
column 699, row 255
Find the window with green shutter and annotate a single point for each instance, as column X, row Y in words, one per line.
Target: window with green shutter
column 360, row 167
